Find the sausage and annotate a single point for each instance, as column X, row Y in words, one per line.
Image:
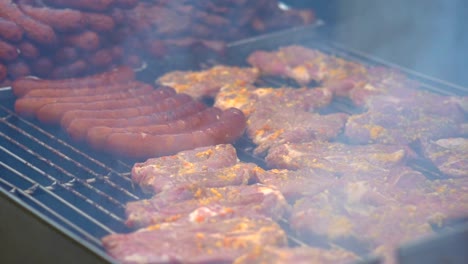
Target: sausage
column 228, row 128
column 156, row 48
column 161, row 104
column 96, row 135
column 6, row 82
column 78, row 127
column 8, row 52
column 99, row 22
column 28, row 50
column 119, row 75
column 35, row 30
column 18, row 68
column 101, row 58
column 53, row 112
column 118, row 15
column 117, row 52
column 86, row 40
column 121, row 34
column 87, row 91
column 64, row 20
column 126, row 3
column 94, row 5
column 10, row 31
column 70, row 70
column 27, row 106
column 65, row 55
column 133, row 60
column 3, row 72
column 42, row 67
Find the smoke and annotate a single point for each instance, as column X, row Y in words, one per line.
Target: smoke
column 428, row 36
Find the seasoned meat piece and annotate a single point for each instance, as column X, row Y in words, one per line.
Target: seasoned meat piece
column 282, row 115
column 237, row 174
column 378, row 230
column 247, row 97
column 402, row 120
column 449, row 155
column 380, row 81
column 151, row 174
column 271, row 125
column 299, row 255
column 304, row 65
column 343, row 77
column 243, row 97
column 207, row 83
column 378, row 215
column 214, row 241
column 337, row 158
column 198, row 204
column 295, row 184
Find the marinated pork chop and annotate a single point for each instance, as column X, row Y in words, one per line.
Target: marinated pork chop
column 213, row 241
column 299, row 255
column 403, row 120
column 207, row 83
column 156, row 174
column 337, row 158
column 197, row 204
column 449, row 155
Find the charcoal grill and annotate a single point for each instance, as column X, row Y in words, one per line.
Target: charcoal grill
column 57, row 199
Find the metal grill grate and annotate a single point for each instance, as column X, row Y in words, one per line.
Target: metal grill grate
column 83, row 193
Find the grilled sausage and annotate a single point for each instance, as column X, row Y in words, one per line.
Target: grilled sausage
column 86, row 40
column 27, row 106
column 96, row 136
column 164, row 102
column 70, row 70
column 99, row 22
column 228, row 128
column 42, row 67
column 10, row 31
column 8, row 52
column 119, row 75
column 85, row 91
column 102, row 58
column 64, row 20
column 35, row 30
column 94, row 5
column 3, row 72
column 66, row 55
column 126, row 3
column 18, row 69
column 137, row 116
column 53, row 112
column 28, row 50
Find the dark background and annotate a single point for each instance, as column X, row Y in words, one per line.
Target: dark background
column 429, row 36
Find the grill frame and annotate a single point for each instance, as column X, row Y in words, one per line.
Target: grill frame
column 59, row 241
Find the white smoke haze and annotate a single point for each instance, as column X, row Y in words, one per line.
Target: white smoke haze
column 428, row 36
